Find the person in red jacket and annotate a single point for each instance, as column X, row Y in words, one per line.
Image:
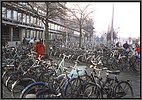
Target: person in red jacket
column 137, row 50
column 40, row 49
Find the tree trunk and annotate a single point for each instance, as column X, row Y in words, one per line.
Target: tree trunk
column 46, row 33
column 46, row 38
column 80, row 37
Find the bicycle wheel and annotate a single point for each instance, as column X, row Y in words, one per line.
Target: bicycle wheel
column 48, row 75
column 11, row 79
column 5, row 77
column 75, row 86
column 123, row 90
column 19, row 85
column 71, row 88
column 54, row 91
column 92, row 90
column 137, row 65
column 31, row 90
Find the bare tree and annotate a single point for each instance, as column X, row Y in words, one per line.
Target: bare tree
column 46, row 11
column 80, row 15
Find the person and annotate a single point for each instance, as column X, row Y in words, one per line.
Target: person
column 126, row 46
column 117, row 44
column 137, row 51
column 24, row 41
column 4, row 42
column 40, row 49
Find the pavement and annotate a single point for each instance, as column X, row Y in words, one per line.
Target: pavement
column 135, row 77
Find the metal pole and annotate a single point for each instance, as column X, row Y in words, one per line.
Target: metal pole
column 112, row 24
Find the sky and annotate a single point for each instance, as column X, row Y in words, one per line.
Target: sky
column 126, row 17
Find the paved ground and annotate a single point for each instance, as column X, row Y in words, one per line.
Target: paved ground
column 123, row 76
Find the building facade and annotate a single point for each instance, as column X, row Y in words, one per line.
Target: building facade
column 18, row 22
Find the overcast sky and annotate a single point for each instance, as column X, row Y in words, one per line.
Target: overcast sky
column 126, row 17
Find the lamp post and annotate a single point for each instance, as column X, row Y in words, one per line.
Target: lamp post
column 112, row 30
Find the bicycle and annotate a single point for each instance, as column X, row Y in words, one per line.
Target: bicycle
column 111, row 87
column 58, row 83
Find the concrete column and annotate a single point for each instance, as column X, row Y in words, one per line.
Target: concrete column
column 10, row 43
column 11, row 34
column 66, row 37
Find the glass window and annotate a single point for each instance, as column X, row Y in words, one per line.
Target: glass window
column 37, row 21
column 28, row 33
column 52, row 26
column 49, row 25
column 59, row 28
column 31, row 34
column 35, row 35
column 3, row 12
column 42, row 24
column 41, row 34
column 24, row 18
column 34, row 20
column 55, row 28
column 28, row 19
column 19, row 17
column 63, row 28
column 8, row 13
column 15, row 15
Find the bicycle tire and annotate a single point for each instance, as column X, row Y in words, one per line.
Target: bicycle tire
column 73, row 86
column 55, row 92
column 70, row 90
column 92, row 90
column 11, row 79
column 4, row 78
column 33, row 89
column 120, row 92
column 20, row 85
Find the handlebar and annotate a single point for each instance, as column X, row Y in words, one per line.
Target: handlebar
column 65, row 55
column 94, row 67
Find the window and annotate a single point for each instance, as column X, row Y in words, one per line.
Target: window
column 8, row 14
column 32, row 34
column 15, row 15
column 28, row 19
column 37, row 22
column 28, row 33
column 41, row 34
column 32, row 20
column 19, row 17
column 37, row 34
column 16, row 34
column 24, row 18
column 40, row 23
column 5, row 32
column 52, row 26
column 3, row 12
column 56, row 27
column 49, row 24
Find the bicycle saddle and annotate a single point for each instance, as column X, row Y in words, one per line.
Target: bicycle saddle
column 117, row 72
